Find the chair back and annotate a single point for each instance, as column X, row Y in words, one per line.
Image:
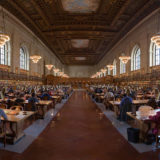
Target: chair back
column 30, row 106
column 17, row 108
column 3, row 106
column 45, row 98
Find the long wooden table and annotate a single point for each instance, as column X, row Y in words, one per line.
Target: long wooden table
column 135, row 102
column 99, row 97
column 143, row 122
column 16, row 120
column 116, row 105
column 43, row 106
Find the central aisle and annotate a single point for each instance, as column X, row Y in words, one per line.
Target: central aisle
column 79, row 135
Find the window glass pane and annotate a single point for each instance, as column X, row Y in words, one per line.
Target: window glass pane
column 137, row 59
column 122, row 68
column 2, row 54
column 22, row 58
column 157, row 56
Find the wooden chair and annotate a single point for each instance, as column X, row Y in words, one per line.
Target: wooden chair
column 30, row 106
column 17, row 108
column 3, row 106
column 45, row 98
column 3, row 132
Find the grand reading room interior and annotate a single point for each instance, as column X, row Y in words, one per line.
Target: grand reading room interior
column 79, row 79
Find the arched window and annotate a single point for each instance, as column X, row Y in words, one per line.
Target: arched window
column 122, row 66
column 114, row 68
column 154, row 55
column 109, row 72
column 24, row 58
column 136, row 58
column 5, row 54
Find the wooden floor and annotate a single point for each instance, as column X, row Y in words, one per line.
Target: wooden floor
column 80, row 135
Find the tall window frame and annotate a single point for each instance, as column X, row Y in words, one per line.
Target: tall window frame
column 154, row 56
column 136, row 58
column 24, row 58
column 5, row 54
column 122, row 66
column 115, row 67
column 109, row 71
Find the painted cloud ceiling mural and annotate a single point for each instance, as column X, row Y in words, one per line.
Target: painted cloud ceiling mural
column 80, row 43
column 80, row 6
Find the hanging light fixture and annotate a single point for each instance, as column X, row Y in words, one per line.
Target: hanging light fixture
column 94, row 76
column 110, row 67
column 65, row 76
column 103, row 70
column 98, row 74
column 2, row 42
column 156, row 39
column 35, row 58
column 124, row 59
column 56, row 70
column 3, row 37
column 49, row 66
column 61, row 74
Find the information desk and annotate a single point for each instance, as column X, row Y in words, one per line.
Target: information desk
column 16, row 120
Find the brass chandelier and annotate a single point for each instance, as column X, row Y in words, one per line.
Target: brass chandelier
column 49, row 66
column 156, row 39
column 124, row 59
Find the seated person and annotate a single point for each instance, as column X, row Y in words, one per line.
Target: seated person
column 125, row 106
column 98, row 90
column 109, row 95
column 32, row 100
column 45, row 96
column 19, row 98
column 152, row 102
column 10, row 90
column 2, row 114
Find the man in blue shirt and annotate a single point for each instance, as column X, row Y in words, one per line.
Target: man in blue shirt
column 33, row 99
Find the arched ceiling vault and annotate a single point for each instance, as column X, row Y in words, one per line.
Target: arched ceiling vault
column 80, row 32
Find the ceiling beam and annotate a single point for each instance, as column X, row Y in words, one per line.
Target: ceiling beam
column 37, row 7
column 120, row 12
column 79, row 54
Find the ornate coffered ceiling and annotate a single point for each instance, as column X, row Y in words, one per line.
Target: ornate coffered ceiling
column 80, row 28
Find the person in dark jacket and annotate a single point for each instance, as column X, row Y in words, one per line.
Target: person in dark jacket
column 33, row 100
column 125, row 106
column 45, row 96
